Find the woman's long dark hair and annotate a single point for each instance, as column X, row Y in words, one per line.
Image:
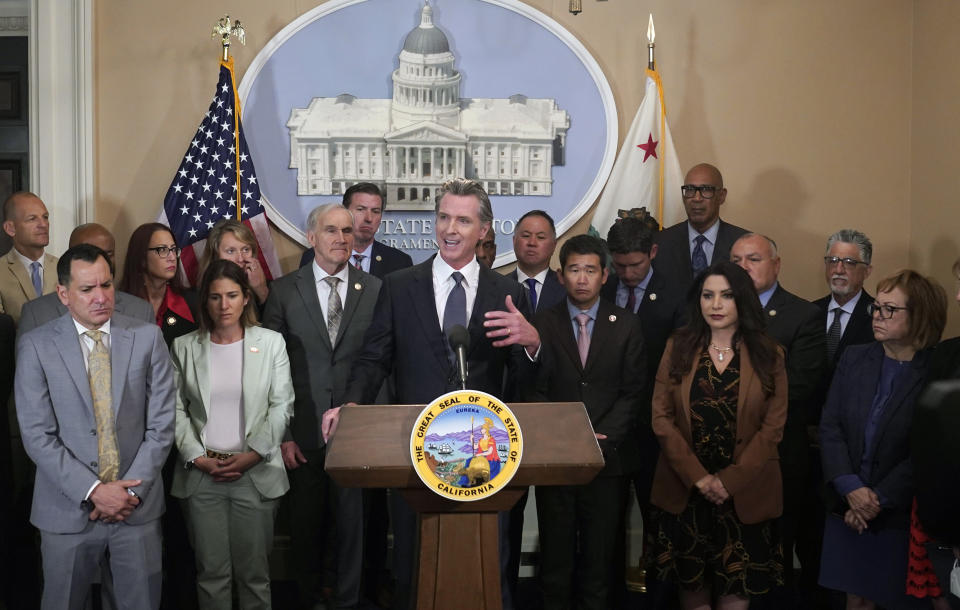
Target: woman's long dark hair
column 135, row 263
column 691, row 340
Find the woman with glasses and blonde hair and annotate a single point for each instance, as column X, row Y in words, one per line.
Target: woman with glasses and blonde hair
column 151, row 271
column 234, row 241
column 865, row 444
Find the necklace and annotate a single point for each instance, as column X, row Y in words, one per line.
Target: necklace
column 721, row 351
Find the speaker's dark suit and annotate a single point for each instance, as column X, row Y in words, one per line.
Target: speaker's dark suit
column 551, row 293
column 673, row 251
column 383, row 259
column 610, row 386
column 320, row 371
column 859, row 328
column 405, row 339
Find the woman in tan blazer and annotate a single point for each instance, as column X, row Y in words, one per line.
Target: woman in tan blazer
column 719, row 407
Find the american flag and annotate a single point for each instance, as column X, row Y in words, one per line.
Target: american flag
column 204, row 189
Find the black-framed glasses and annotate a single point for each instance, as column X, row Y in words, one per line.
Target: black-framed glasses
column 886, row 311
column 848, row 263
column 707, row 191
column 163, row 251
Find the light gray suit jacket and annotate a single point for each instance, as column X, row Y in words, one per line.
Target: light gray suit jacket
column 59, row 429
column 267, row 406
column 48, row 307
column 320, row 370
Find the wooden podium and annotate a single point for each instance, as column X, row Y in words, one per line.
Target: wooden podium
column 459, row 563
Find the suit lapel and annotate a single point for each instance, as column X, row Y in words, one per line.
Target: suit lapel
column 201, row 369
column 307, row 287
column 747, row 378
column 356, row 284
column 68, row 345
column 20, row 273
column 49, row 273
column 421, row 293
column 121, row 350
column 252, row 377
column 375, row 262
column 486, row 301
column 602, row 335
column 563, row 327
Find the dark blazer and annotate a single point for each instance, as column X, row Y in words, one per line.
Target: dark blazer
column 945, row 360
column 859, row 328
column 319, row 369
column 48, row 307
column 673, row 251
column 753, row 480
column 844, row 422
column 551, row 293
column 384, row 259
column 174, row 325
column 660, row 313
column 611, row 383
column 797, row 325
column 405, row 338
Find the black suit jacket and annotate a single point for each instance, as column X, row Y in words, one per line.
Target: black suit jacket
column 673, row 251
column 383, row 259
column 611, row 383
column 319, row 369
column 551, row 293
column 859, row 329
column 405, row 338
column 845, row 419
column 797, row 325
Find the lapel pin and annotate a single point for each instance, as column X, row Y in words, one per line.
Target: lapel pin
column 254, row 349
column 379, row 258
column 612, row 318
column 171, row 321
column 357, row 286
column 653, row 296
column 772, row 312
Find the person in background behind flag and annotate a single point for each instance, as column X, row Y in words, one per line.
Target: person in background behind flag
column 232, row 240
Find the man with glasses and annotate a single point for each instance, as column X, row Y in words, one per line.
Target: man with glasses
column 687, row 248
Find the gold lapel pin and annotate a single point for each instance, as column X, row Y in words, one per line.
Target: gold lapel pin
column 772, row 312
column 171, row 321
column 612, row 318
column 254, row 349
column 357, row 286
column 653, row 296
column 379, row 258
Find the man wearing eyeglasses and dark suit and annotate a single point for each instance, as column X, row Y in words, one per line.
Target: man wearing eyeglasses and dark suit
column 687, row 248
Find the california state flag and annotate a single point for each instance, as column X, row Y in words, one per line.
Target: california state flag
column 646, row 172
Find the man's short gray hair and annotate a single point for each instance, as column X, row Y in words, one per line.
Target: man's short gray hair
column 852, row 236
column 464, row 187
column 774, row 251
column 320, row 211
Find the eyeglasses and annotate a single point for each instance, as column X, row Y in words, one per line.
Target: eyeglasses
column 163, row 251
column 886, row 311
column 707, row 191
column 848, row 263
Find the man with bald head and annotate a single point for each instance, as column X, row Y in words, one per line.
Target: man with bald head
column 26, row 271
column 796, row 324
column 48, row 307
column 687, row 248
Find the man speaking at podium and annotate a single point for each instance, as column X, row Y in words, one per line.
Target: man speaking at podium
column 408, row 334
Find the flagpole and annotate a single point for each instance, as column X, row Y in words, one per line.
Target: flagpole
column 224, row 30
column 652, row 66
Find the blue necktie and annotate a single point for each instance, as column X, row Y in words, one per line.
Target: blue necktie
column 36, row 277
column 699, row 258
column 455, row 311
column 532, row 285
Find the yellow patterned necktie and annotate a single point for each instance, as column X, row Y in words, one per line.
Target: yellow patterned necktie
column 98, row 369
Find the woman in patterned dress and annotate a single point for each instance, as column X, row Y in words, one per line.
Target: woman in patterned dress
column 719, row 407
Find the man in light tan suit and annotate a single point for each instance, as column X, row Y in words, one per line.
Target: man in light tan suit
column 26, row 272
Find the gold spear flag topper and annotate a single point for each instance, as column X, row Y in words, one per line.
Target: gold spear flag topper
column 651, row 35
column 224, row 30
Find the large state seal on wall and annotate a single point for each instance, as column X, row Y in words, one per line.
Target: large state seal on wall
column 466, row 445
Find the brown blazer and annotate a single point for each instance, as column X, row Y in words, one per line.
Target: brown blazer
column 753, row 480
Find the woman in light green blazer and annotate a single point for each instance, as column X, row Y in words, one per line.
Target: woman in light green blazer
column 230, row 473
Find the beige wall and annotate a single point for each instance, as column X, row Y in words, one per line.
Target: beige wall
column 821, row 114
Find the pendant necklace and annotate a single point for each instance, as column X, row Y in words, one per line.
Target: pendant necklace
column 721, row 351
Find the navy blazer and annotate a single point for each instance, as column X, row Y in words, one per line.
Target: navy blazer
column 383, row 259
column 844, row 422
column 551, row 293
column 405, row 338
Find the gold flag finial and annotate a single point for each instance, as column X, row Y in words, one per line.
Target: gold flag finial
column 651, row 35
column 224, row 30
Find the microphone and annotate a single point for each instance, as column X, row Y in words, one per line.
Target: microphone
column 459, row 340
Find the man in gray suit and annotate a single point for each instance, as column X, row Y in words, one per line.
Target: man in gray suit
column 48, row 307
column 322, row 310
column 95, row 401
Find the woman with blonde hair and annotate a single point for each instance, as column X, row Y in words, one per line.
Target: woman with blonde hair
column 232, row 240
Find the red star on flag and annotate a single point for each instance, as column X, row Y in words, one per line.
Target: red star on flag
column 649, row 149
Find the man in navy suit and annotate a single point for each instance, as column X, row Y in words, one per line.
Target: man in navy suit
column 795, row 324
column 365, row 201
column 407, row 336
column 689, row 247
column 534, row 241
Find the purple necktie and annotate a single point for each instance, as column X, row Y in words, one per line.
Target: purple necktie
column 583, row 337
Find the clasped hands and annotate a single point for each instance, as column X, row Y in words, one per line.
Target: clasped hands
column 712, row 489
column 112, row 502
column 864, row 507
column 229, row 469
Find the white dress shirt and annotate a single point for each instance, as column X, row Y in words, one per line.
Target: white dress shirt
column 443, row 283
column 847, row 309
column 711, row 241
